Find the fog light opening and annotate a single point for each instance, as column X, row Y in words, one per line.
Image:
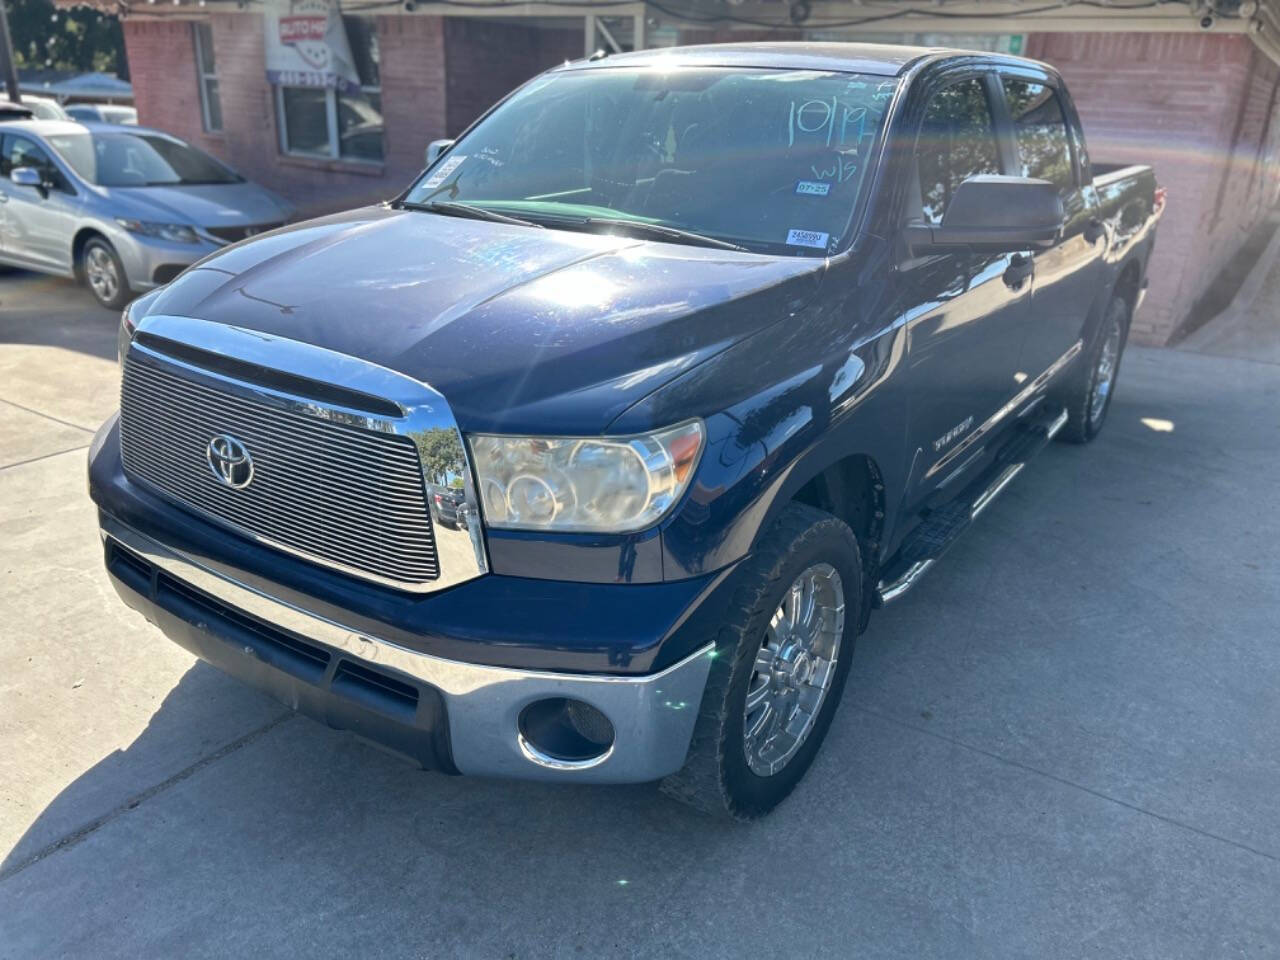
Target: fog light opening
column 565, row 734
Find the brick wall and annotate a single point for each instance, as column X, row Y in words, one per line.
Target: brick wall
column 1196, row 107
column 162, row 68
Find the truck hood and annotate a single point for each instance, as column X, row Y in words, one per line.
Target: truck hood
column 523, row 330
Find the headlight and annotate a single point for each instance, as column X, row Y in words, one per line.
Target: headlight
column 173, row 232
column 597, row 484
column 125, row 337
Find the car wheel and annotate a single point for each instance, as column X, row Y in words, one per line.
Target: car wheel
column 1088, row 394
column 780, row 668
column 104, row 274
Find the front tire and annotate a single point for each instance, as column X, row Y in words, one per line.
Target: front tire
column 1088, row 393
column 781, row 665
column 104, row 274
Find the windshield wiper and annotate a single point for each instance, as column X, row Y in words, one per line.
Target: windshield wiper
column 659, row 232
column 451, row 208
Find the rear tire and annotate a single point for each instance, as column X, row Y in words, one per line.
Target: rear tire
column 1087, row 394
column 104, row 274
column 787, row 647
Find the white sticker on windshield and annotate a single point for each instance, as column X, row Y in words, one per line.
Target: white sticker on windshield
column 441, row 172
column 807, row 238
column 812, row 188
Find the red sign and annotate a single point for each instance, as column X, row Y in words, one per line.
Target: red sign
column 301, row 29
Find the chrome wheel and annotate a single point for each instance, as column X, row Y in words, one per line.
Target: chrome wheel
column 794, row 669
column 1104, row 376
column 100, row 269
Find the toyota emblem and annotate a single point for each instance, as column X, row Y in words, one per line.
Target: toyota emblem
column 230, row 461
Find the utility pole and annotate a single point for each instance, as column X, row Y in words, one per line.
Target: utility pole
column 6, row 57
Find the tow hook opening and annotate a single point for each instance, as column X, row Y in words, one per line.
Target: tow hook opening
column 565, row 734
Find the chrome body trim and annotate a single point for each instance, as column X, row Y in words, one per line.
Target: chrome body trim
column 892, row 590
column 534, row 755
column 653, row 716
column 424, row 413
column 889, row 591
column 1017, row 401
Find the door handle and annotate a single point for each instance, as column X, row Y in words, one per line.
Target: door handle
column 1019, row 269
column 1093, row 230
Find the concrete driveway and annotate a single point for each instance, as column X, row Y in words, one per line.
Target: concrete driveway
column 1064, row 743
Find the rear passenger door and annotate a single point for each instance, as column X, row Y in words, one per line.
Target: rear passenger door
column 968, row 311
column 1064, row 283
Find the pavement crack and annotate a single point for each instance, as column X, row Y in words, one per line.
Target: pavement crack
column 43, row 456
column 48, row 416
column 1067, row 783
column 132, row 803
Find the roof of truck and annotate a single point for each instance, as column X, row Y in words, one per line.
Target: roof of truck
column 877, row 59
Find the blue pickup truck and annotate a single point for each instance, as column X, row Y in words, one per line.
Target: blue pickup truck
column 589, row 456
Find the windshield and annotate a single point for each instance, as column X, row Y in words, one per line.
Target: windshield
column 138, row 160
column 772, row 160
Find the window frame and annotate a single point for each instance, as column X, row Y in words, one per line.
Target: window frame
column 199, row 29
column 334, row 152
column 63, row 182
column 986, row 77
column 1069, row 128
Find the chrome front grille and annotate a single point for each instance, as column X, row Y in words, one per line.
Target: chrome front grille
column 342, row 495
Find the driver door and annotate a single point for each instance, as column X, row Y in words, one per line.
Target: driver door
column 968, row 310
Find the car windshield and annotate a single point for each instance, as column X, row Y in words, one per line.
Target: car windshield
column 138, row 160
column 771, row 160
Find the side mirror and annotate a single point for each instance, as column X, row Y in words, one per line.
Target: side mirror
column 435, row 148
column 26, row 177
column 995, row 214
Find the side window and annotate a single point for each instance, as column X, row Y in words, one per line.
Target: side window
column 21, row 152
column 957, row 140
column 1040, row 131
column 207, row 74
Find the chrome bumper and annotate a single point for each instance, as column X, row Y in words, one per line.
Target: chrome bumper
column 652, row 716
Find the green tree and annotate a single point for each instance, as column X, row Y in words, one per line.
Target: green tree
column 83, row 39
column 441, row 453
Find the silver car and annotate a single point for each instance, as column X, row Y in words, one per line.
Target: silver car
column 123, row 209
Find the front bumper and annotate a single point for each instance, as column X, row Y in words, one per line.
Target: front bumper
column 149, row 262
column 444, row 714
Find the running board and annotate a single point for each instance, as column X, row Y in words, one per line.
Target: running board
column 889, row 590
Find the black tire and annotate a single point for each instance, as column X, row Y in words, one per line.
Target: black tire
column 1085, row 419
column 717, row 777
column 104, row 275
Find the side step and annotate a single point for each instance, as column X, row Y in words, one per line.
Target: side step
column 928, row 541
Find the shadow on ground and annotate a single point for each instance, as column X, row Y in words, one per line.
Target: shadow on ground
column 68, row 317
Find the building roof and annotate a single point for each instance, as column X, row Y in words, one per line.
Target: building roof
column 85, row 86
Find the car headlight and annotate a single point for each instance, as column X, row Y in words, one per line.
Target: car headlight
column 173, row 232
column 596, row 484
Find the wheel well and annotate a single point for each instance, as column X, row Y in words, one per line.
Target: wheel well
column 1127, row 285
column 853, row 490
column 77, row 248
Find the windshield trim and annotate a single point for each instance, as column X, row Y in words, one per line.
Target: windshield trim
column 856, row 225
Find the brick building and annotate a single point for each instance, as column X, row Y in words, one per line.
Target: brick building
column 1196, row 98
